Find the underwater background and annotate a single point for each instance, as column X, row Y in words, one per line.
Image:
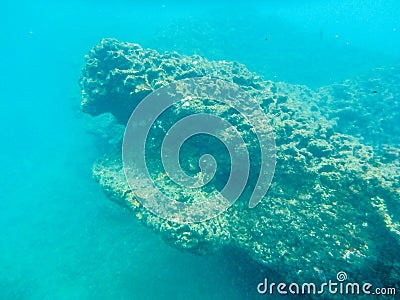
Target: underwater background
column 60, row 237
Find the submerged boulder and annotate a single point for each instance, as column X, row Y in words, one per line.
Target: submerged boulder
column 333, row 205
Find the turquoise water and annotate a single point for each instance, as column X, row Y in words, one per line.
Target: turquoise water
column 61, row 238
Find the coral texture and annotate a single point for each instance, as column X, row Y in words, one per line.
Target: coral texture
column 333, row 204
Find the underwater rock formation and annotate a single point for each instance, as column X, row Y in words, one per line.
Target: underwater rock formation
column 332, row 205
column 375, row 115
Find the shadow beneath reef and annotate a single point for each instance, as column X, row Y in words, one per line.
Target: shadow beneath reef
column 247, row 274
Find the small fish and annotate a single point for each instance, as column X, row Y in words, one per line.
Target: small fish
column 374, row 92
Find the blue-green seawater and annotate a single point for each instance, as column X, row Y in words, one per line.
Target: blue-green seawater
column 60, row 237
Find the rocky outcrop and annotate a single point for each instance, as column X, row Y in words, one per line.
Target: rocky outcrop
column 333, row 204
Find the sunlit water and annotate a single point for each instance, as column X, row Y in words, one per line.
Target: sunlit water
column 60, row 238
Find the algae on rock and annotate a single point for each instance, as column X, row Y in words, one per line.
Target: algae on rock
column 333, row 204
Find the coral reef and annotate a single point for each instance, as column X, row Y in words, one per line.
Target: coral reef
column 333, row 204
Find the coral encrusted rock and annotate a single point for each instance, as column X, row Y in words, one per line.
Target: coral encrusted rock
column 333, row 205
